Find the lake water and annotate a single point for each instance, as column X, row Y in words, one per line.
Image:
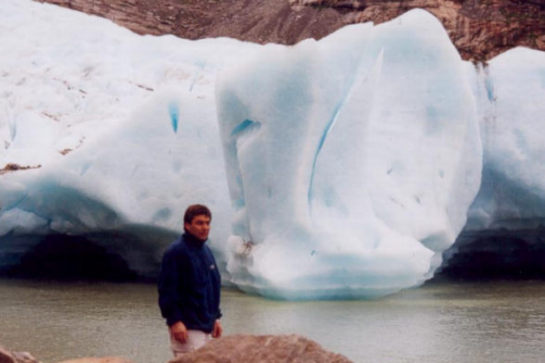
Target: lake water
column 439, row 322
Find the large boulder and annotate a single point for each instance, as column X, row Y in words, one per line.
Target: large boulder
column 262, row 348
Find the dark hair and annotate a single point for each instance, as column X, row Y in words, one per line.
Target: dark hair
column 195, row 210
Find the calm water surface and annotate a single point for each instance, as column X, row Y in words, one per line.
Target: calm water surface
column 447, row 322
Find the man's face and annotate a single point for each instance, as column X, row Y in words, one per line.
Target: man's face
column 199, row 227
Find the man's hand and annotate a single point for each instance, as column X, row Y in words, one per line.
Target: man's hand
column 179, row 332
column 218, row 330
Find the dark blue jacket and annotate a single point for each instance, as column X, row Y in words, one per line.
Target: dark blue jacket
column 189, row 285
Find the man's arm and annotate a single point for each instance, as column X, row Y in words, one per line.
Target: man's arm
column 169, row 281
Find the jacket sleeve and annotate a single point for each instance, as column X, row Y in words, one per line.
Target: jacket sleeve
column 168, row 285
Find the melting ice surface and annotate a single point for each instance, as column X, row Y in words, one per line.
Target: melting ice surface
column 339, row 168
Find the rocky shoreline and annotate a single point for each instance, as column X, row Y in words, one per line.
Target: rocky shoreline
column 7, row 356
column 229, row 349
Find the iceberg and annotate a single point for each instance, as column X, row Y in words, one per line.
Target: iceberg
column 339, row 168
column 354, row 168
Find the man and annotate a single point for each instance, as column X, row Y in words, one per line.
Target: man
column 189, row 285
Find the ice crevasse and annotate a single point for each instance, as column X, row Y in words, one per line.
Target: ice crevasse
column 339, row 168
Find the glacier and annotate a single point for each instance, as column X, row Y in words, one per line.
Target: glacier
column 340, row 168
column 505, row 222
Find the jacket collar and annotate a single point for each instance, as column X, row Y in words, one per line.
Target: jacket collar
column 193, row 241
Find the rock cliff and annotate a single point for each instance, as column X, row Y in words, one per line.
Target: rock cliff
column 480, row 29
